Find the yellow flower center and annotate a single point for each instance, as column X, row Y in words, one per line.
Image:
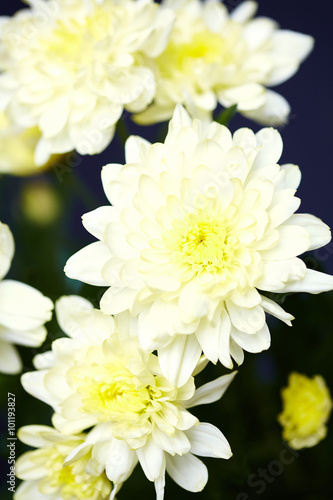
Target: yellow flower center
column 202, row 242
column 72, row 481
column 122, row 390
column 205, row 46
column 113, row 392
column 73, row 41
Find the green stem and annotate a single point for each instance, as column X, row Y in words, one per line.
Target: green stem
column 122, row 131
column 226, row 115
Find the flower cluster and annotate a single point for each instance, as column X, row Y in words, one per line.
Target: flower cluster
column 99, row 377
column 215, row 57
column 70, row 68
column 200, row 229
column 199, row 240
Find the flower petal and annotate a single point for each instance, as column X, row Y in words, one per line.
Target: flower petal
column 210, row 392
column 187, row 471
column 152, row 460
column 179, row 358
column 86, row 264
column 208, row 441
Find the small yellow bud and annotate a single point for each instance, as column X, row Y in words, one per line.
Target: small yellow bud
column 306, row 408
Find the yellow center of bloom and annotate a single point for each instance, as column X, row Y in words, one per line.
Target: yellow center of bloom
column 205, row 46
column 71, row 481
column 306, row 408
column 112, row 391
column 122, row 390
column 73, row 41
column 201, row 241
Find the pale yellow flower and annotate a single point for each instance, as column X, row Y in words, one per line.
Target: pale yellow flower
column 200, row 226
column 215, row 57
column 71, row 67
column 46, row 476
column 307, row 405
column 100, row 378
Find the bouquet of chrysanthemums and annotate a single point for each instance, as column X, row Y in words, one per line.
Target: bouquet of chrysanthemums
column 194, row 249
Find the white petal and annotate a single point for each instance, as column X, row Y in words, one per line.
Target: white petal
column 313, row 282
column 187, row 471
column 210, row 392
column 135, row 148
column 179, row 358
column 276, row 274
column 290, row 48
column 244, row 11
column 293, row 176
column 96, row 221
column 208, row 336
column 274, row 111
column 176, row 443
column 284, row 210
column 116, row 300
column 180, row 119
column 159, row 487
column 6, row 249
column 10, row 361
column 271, row 147
column 193, row 303
column 275, row 310
column 23, row 307
column 257, row 32
column 120, row 461
column 208, row 441
column 33, row 383
column 246, row 320
column 30, row 466
column 152, row 460
column 236, row 352
column 115, row 238
column 224, row 340
column 294, row 240
column 249, row 96
column 156, row 323
column 29, row 489
column 36, row 435
column 256, row 342
column 32, row 338
column 86, row 264
column 69, row 310
column 320, row 233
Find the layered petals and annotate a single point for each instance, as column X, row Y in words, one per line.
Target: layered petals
column 72, row 82
column 202, row 227
column 215, row 57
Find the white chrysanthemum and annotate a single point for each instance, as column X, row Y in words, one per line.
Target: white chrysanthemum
column 199, row 226
column 100, row 377
column 71, row 67
column 23, row 310
column 46, row 477
column 213, row 57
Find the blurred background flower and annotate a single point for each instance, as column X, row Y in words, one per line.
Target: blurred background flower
column 307, row 405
